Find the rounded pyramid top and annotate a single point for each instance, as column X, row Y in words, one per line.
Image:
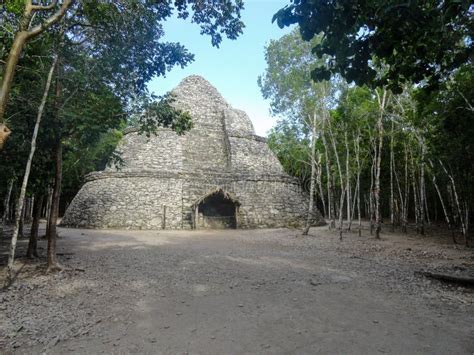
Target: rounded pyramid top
column 196, row 90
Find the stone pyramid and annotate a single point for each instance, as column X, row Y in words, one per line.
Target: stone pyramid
column 220, row 174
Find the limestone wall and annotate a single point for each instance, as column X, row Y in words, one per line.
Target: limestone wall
column 131, row 203
column 204, row 103
column 238, row 121
column 252, row 156
column 163, row 151
column 204, row 152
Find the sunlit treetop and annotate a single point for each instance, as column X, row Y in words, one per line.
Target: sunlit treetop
column 416, row 41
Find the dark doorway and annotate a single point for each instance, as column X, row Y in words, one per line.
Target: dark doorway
column 217, row 211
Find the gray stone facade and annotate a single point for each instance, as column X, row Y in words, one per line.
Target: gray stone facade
column 219, row 174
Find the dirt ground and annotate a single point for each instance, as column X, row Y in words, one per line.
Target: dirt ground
column 240, row 292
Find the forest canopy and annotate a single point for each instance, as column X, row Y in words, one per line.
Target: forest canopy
column 419, row 42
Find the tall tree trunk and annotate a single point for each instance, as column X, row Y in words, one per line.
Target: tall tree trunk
column 53, row 264
column 415, row 194
column 319, row 173
column 422, row 188
column 348, row 183
column 33, row 242
column 357, row 150
column 392, row 163
column 329, row 179
column 341, row 179
column 309, row 218
column 21, row 199
column 401, row 206
column 378, row 220
column 371, row 192
column 407, row 195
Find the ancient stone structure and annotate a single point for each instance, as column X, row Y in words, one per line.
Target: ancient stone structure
column 218, row 175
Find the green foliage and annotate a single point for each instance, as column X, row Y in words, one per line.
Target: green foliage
column 160, row 112
column 292, row 148
column 287, row 82
column 447, row 116
column 85, row 156
column 417, row 41
column 15, row 6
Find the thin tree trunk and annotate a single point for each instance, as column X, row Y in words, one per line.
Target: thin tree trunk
column 371, row 193
column 320, row 185
column 357, row 148
column 367, row 205
column 26, row 209
column 341, row 180
column 462, row 220
column 441, row 200
column 415, row 194
column 378, row 221
column 54, row 215
column 6, row 202
column 31, row 207
column 392, row 162
column 401, row 206
column 407, row 195
column 329, row 180
column 309, row 218
column 22, row 222
column 53, row 264
column 466, row 223
column 19, row 207
column 348, row 183
column 49, row 202
column 422, row 188
column 33, row 242
column 427, row 211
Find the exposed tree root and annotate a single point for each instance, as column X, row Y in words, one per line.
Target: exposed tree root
column 461, row 280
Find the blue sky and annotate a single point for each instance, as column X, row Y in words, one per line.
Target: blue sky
column 234, row 67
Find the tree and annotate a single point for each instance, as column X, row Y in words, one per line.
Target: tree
column 127, row 32
column 418, row 41
column 21, row 198
column 287, row 84
column 34, row 20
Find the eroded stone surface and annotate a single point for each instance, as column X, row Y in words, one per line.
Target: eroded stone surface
column 164, row 175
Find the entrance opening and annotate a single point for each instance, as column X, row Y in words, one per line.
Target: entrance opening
column 217, row 210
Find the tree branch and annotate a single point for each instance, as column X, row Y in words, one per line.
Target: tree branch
column 58, row 15
column 44, row 7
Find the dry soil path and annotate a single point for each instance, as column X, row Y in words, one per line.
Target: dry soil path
column 232, row 292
